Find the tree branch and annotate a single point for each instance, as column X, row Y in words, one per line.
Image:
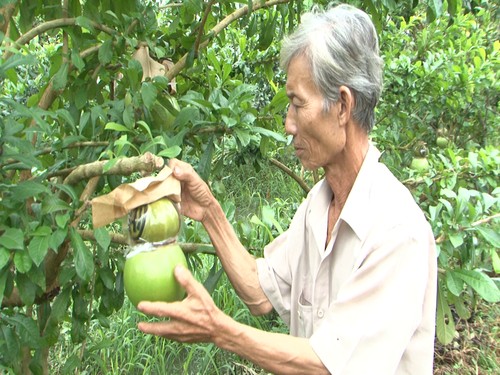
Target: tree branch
column 442, row 237
column 120, row 239
column 126, row 166
column 53, row 24
column 486, row 220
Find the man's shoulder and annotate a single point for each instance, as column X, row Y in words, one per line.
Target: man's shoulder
column 390, row 204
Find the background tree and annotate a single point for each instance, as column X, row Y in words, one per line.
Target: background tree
column 97, row 93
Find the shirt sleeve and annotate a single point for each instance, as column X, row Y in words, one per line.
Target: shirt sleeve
column 378, row 309
column 276, row 288
column 276, row 269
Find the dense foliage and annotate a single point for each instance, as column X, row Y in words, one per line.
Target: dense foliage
column 91, row 90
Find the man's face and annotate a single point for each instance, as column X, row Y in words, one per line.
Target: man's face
column 317, row 135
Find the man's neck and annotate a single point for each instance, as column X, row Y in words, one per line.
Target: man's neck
column 342, row 174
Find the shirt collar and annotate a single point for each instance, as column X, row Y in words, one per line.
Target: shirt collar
column 356, row 209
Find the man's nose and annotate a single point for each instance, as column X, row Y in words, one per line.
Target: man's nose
column 290, row 127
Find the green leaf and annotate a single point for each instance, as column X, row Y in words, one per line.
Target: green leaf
column 495, row 260
column 490, row 235
column 116, row 127
column 213, row 277
column 27, row 330
column 455, row 284
column 60, row 305
column 77, row 60
column 105, row 53
column 15, row 61
column 52, row 204
column 57, row 238
column 461, row 309
column 9, row 344
column 109, row 164
column 84, row 261
column 445, row 325
column 481, row 283
column 129, row 117
column 186, row 115
column 170, row 152
column 102, row 237
column 62, row 220
column 145, row 126
column 37, row 248
column 28, row 189
column 269, row 133
column 85, row 23
column 4, row 257
column 13, row 239
column 61, row 77
column 22, row 261
column 42, row 231
column 243, row 136
column 107, row 277
column 27, row 289
column 457, row 239
column 69, row 191
column 4, row 272
column 229, row 121
column 453, row 7
column 205, row 165
column 148, row 93
column 66, row 117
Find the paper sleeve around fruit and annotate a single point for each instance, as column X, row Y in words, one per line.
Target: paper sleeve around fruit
column 119, row 202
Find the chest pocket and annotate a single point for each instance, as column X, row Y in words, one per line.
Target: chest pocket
column 305, row 310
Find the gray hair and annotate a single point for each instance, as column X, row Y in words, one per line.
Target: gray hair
column 341, row 46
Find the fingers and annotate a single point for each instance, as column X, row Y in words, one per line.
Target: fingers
column 157, row 329
column 164, row 309
column 187, row 280
column 181, row 170
column 158, row 309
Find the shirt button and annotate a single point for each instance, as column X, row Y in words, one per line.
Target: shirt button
column 320, row 313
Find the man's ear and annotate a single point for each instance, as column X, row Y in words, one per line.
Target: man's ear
column 346, row 104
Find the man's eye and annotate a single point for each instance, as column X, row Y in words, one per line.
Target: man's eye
column 297, row 103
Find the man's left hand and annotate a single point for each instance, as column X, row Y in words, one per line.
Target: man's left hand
column 193, row 319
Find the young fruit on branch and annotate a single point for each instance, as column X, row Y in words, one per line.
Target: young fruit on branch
column 419, row 164
column 442, row 142
column 154, row 222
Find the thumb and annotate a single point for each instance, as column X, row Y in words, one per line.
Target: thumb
column 185, row 279
column 179, row 168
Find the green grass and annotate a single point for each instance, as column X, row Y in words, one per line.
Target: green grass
column 475, row 350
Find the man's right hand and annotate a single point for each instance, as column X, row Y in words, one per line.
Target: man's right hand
column 195, row 194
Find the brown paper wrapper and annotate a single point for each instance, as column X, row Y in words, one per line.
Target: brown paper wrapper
column 118, row 203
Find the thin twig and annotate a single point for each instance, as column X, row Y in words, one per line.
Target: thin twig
column 293, row 175
column 201, row 27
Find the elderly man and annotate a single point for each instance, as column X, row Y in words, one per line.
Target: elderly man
column 354, row 276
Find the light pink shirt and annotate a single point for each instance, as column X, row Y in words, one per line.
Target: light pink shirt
column 368, row 301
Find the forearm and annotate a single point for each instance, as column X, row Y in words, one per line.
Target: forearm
column 239, row 265
column 274, row 352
